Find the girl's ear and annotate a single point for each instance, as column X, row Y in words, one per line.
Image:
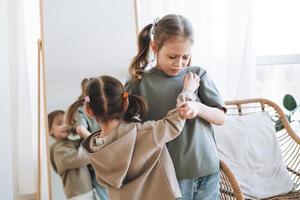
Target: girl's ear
column 153, row 47
column 88, row 111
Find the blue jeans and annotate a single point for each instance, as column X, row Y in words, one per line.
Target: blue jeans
column 202, row 188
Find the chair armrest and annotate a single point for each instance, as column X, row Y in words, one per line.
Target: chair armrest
column 235, row 187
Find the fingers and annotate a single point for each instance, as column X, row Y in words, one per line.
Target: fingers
column 191, row 81
column 184, row 109
column 186, row 113
column 187, row 109
column 182, row 104
column 189, row 75
column 192, row 76
column 197, row 78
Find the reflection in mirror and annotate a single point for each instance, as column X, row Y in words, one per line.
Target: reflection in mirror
column 82, row 39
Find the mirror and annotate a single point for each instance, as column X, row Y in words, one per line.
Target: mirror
column 84, row 39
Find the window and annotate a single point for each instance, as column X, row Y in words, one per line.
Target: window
column 277, row 46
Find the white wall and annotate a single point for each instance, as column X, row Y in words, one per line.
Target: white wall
column 84, row 39
column 6, row 182
column 6, row 167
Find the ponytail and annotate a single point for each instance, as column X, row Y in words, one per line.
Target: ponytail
column 72, row 111
column 137, row 108
column 163, row 30
column 83, row 85
column 140, row 61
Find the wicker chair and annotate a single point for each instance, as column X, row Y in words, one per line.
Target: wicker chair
column 288, row 139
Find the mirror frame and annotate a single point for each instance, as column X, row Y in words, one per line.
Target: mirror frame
column 42, row 111
column 42, row 99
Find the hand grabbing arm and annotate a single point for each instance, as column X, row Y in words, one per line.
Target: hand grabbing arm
column 190, row 109
column 190, row 85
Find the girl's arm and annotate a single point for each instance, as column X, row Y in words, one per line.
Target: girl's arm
column 190, row 85
column 67, row 157
column 81, row 127
column 82, row 131
column 211, row 108
column 210, row 114
column 166, row 129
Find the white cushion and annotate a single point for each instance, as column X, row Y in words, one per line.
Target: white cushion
column 249, row 146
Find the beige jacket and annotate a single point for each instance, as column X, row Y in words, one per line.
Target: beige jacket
column 70, row 162
column 134, row 163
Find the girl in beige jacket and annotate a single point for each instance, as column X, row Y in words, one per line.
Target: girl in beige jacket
column 130, row 158
column 69, row 161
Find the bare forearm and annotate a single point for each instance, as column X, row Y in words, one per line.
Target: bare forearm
column 82, row 131
column 211, row 114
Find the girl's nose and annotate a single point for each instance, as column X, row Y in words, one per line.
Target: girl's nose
column 178, row 62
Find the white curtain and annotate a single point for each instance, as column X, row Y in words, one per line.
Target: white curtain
column 20, row 30
column 6, row 171
column 223, row 39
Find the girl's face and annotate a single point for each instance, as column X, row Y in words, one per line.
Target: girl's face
column 58, row 129
column 174, row 55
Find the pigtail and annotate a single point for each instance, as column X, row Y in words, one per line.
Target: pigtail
column 72, row 111
column 137, row 108
column 83, row 85
column 140, row 61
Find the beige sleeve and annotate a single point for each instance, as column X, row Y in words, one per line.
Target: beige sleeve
column 166, row 129
column 69, row 158
column 170, row 126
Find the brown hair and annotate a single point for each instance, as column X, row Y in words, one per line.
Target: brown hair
column 83, row 85
column 163, row 30
column 107, row 101
column 52, row 115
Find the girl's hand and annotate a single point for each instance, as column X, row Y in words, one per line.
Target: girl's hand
column 188, row 109
column 82, row 131
column 190, row 85
column 191, row 82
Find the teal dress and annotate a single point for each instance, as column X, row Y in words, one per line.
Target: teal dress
column 92, row 126
column 89, row 123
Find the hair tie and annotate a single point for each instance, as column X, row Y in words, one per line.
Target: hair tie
column 87, row 99
column 125, row 94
